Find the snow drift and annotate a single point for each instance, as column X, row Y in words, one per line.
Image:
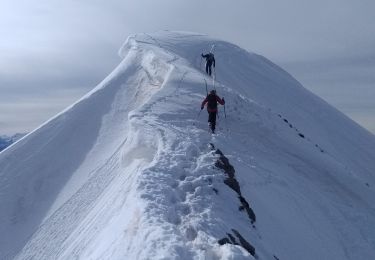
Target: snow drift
column 131, row 172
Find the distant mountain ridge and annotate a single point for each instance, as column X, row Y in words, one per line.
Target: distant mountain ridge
column 5, row 140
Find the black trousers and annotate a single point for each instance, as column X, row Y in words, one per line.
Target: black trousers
column 212, row 120
column 208, row 68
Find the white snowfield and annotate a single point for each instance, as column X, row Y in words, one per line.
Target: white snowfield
column 127, row 172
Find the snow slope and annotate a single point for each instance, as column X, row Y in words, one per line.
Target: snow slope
column 128, row 171
column 5, row 141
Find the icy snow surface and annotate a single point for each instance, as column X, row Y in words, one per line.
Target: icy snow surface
column 127, row 172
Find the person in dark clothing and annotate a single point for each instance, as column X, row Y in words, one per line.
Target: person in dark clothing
column 212, row 99
column 210, row 60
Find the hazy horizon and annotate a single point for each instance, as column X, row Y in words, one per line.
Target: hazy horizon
column 52, row 53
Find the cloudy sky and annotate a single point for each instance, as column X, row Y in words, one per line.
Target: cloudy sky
column 54, row 51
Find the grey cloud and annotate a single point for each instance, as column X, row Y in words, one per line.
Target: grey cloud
column 49, row 47
column 23, row 113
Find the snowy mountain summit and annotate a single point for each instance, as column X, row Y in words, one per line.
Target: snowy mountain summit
column 131, row 171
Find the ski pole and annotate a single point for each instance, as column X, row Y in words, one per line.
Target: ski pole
column 213, row 81
column 214, row 78
column 199, row 113
column 206, row 86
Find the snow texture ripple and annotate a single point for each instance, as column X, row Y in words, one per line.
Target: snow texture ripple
column 128, row 172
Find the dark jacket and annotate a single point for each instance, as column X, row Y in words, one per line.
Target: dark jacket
column 210, row 58
column 214, row 99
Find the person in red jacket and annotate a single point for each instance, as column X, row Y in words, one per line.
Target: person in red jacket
column 212, row 99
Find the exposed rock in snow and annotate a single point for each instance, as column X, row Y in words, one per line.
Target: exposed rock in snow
column 128, row 172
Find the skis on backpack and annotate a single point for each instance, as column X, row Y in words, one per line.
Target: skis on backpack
column 212, row 48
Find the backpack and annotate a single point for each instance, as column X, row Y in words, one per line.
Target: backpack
column 211, row 102
column 210, row 57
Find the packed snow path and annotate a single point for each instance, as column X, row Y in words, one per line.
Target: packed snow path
column 128, row 171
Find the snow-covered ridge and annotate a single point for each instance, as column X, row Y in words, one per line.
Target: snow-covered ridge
column 129, row 171
column 5, row 140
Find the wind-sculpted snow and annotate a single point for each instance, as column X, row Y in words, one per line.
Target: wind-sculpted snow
column 128, row 172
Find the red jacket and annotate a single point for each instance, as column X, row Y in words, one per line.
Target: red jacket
column 219, row 100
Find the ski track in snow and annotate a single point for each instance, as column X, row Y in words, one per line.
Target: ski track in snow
column 143, row 185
